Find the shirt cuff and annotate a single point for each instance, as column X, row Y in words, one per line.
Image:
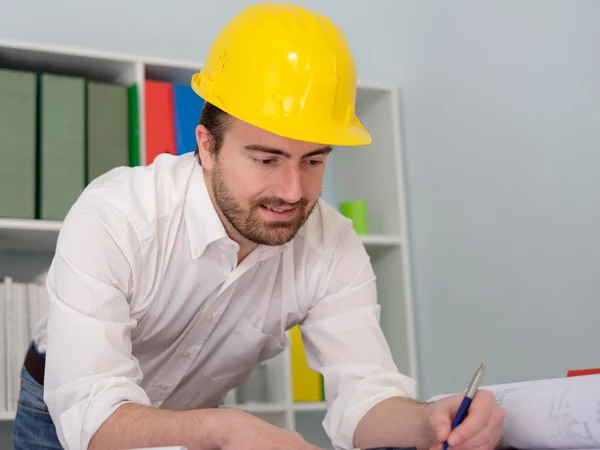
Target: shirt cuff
column 348, row 409
column 77, row 425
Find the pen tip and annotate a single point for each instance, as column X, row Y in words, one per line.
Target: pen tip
column 476, row 381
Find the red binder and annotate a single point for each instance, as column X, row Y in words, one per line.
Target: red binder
column 160, row 119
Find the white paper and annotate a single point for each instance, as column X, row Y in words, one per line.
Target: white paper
column 561, row 413
column 3, row 357
column 12, row 346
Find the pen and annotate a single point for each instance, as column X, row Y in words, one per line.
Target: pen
column 466, row 402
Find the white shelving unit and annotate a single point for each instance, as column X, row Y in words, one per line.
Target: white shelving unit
column 373, row 173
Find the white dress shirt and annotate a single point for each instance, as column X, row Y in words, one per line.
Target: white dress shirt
column 147, row 304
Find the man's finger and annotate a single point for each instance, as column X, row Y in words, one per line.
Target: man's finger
column 481, row 440
column 491, row 443
column 441, row 426
column 492, row 432
column 478, row 416
column 439, row 419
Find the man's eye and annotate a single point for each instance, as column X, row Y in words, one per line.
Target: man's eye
column 315, row 162
column 265, row 161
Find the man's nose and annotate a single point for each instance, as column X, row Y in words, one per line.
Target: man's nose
column 289, row 186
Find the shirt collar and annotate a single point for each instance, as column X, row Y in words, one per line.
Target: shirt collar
column 203, row 224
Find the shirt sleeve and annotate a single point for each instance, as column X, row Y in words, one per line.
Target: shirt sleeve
column 343, row 340
column 90, row 370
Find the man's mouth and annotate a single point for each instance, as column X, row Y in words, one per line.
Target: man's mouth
column 279, row 212
column 279, row 208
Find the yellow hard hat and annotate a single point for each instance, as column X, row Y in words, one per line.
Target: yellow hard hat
column 287, row 70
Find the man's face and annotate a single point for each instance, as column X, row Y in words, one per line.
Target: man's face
column 265, row 185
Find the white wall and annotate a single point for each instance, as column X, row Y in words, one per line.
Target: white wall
column 501, row 126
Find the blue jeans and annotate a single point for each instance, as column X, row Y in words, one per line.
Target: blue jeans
column 34, row 429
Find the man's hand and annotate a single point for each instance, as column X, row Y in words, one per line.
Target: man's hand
column 481, row 429
column 247, row 432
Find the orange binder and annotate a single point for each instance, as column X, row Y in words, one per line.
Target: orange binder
column 160, row 119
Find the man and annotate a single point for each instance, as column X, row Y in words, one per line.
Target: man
column 171, row 282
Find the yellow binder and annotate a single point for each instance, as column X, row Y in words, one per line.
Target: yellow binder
column 307, row 385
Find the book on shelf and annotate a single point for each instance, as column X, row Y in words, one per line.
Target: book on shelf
column 134, row 125
column 187, row 106
column 160, row 126
column 18, row 123
column 307, row 384
column 23, row 308
column 61, row 143
column 107, row 128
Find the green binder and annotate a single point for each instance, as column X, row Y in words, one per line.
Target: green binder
column 107, row 128
column 134, row 126
column 61, row 144
column 17, row 143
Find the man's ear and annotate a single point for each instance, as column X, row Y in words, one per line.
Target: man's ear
column 205, row 144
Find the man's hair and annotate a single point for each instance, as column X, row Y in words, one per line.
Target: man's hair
column 216, row 122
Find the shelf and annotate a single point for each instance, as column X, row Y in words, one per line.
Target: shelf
column 88, row 63
column 373, row 173
column 170, row 71
column 310, row 406
column 41, row 235
column 380, row 240
column 28, row 234
column 6, row 416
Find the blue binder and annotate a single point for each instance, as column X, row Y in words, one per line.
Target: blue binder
column 187, row 105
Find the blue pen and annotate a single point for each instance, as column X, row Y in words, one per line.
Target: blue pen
column 464, row 406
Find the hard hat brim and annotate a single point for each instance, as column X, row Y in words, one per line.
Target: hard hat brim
column 335, row 134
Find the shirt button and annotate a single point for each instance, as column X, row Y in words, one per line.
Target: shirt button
column 196, row 251
column 186, row 354
column 164, row 386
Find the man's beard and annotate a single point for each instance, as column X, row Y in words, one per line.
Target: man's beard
column 247, row 222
